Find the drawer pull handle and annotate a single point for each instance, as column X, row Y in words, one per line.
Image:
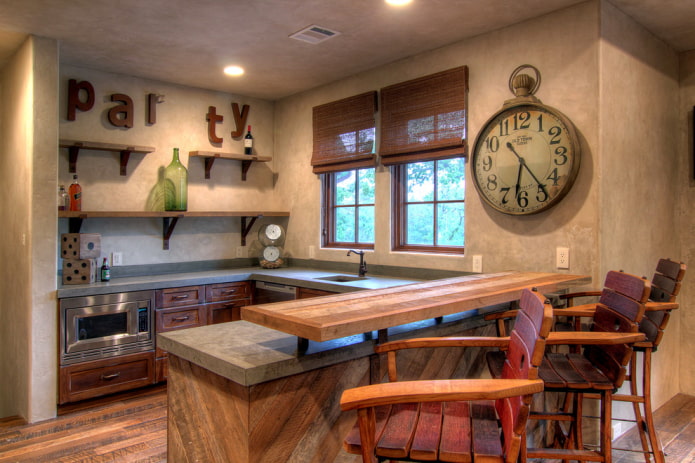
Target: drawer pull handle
column 110, row 377
column 181, row 296
column 230, row 291
column 181, row 319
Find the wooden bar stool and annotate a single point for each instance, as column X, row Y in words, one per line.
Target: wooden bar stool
column 453, row 420
column 599, row 369
column 666, row 284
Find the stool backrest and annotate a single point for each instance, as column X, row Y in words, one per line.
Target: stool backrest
column 666, row 284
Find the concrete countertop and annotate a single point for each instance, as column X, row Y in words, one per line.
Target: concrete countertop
column 292, row 276
column 250, row 354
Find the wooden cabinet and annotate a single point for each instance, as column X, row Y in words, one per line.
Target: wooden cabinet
column 191, row 306
column 91, row 379
column 305, row 293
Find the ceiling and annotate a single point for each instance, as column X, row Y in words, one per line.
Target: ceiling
column 189, row 42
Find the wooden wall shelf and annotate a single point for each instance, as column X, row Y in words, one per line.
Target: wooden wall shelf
column 246, row 160
column 169, row 219
column 74, row 147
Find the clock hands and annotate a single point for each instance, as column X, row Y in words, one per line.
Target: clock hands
column 522, row 163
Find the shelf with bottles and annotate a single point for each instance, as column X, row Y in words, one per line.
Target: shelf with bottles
column 246, row 160
column 74, row 147
column 169, row 219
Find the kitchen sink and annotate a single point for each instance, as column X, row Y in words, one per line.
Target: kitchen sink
column 341, row 278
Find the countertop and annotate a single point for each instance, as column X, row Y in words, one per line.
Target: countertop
column 292, row 276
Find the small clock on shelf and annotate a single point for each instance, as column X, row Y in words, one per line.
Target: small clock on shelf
column 271, row 257
column 271, row 235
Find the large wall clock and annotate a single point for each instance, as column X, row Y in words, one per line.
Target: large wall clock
column 526, row 157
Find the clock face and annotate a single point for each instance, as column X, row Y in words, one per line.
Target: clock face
column 273, row 231
column 271, row 253
column 525, row 159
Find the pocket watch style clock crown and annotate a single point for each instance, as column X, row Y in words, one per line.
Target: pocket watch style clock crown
column 526, row 157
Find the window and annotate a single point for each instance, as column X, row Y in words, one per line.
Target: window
column 429, row 206
column 348, row 205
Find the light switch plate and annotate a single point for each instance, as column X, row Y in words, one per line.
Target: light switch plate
column 116, row 259
column 478, row 263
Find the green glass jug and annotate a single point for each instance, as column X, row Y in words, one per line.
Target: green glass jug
column 176, row 185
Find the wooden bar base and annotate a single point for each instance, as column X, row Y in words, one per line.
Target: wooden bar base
column 296, row 418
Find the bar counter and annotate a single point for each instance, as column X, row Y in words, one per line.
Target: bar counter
column 242, row 392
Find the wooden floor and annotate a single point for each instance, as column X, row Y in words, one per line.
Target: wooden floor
column 132, row 428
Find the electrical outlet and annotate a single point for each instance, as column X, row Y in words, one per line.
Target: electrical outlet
column 478, row 263
column 116, row 259
column 312, row 252
column 240, row 251
column 562, row 258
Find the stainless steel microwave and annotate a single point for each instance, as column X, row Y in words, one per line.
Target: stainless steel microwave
column 106, row 325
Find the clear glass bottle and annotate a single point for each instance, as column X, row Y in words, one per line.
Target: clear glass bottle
column 63, row 199
column 176, row 185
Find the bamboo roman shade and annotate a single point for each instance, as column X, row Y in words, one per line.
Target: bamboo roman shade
column 344, row 132
column 425, row 118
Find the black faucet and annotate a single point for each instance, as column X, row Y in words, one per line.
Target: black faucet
column 363, row 264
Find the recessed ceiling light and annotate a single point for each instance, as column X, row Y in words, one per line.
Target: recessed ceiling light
column 398, row 2
column 234, row 70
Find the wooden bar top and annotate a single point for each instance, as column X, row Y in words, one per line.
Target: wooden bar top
column 333, row 317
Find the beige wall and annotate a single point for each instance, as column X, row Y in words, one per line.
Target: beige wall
column 640, row 158
column 181, row 122
column 685, row 343
column 564, row 46
column 28, row 170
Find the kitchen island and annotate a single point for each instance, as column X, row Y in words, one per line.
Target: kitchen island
column 242, row 392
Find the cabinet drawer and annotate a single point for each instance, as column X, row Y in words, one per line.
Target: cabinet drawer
column 177, row 297
column 179, row 318
column 92, row 379
column 227, row 291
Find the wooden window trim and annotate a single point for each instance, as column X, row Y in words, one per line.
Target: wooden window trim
column 328, row 216
column 398, row 218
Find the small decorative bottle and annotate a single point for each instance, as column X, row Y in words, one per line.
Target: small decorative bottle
column 63, row 199
column 75, row 193
column 176, row 185
column 248, row 142
column 105, row 271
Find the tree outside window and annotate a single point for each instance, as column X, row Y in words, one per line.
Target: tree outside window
column 429, row 206
column 348, row 201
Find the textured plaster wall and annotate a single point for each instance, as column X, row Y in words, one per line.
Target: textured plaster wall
column 15, row 258
column 181, row 122
column 685, row 340
column 564, row 47
column 639, row 164
column 27, row 254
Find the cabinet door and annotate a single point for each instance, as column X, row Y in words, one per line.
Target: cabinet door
column 227, row 291
column 221, row 312
column 178, row 297
column 100, row 377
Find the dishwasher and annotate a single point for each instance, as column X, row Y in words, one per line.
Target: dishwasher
column 267, row 292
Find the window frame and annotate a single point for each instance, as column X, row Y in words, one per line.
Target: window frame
column 329, row 208
column 399, row 204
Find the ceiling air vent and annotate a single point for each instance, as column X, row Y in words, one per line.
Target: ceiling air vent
column 314, row 34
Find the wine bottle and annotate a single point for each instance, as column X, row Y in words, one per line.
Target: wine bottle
column 75, row 193
column 248, row 142
column 176, row 185
column 105, row 271
column 63, row 199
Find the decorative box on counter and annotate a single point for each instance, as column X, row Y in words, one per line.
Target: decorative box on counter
column 79, row 271
column 80, row 245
